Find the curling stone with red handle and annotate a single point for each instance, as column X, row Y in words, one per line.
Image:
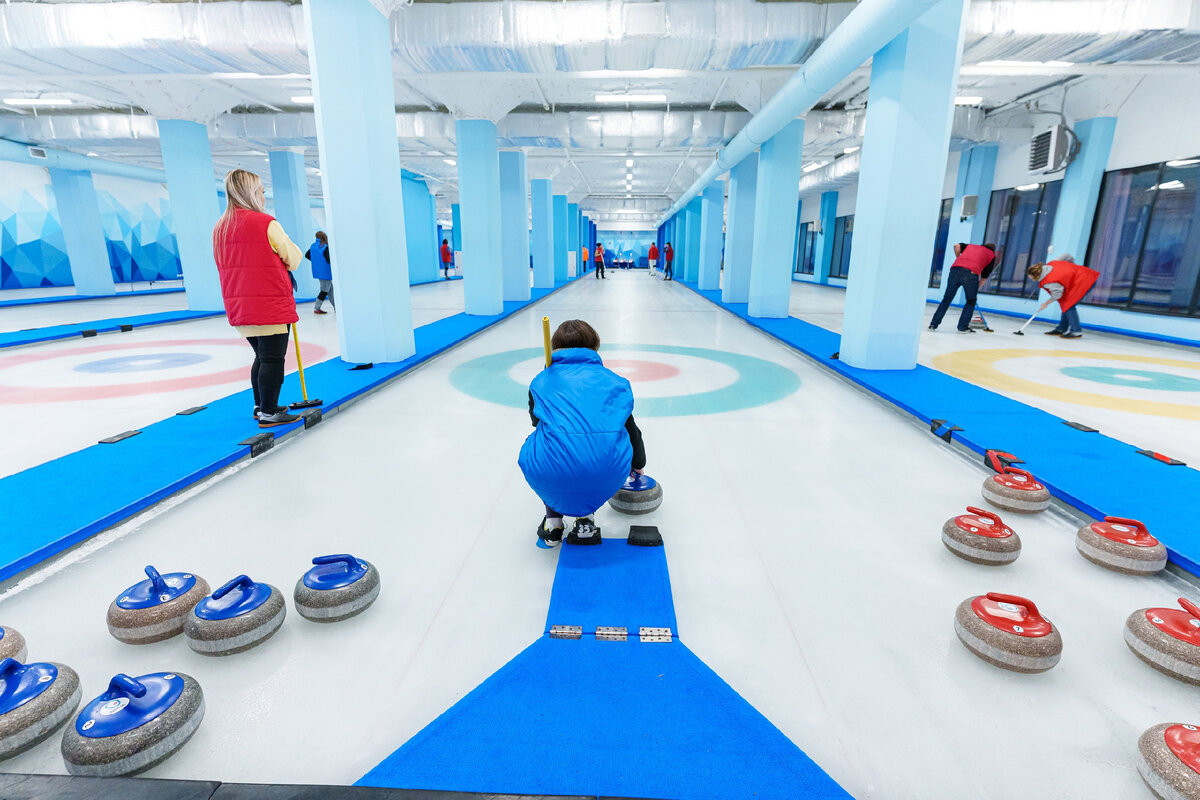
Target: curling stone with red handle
column 1122, row 545
column 1167, row 639
column 981, row 537
column 1008, row 632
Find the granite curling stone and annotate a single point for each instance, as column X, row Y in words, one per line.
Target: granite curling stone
column 138, row 723
column 35, row 701
column 12, row 644
column 1122, row 545
column 155, row 609
column 641, row 494
column 336, row 588
column 1167, row 639
column 1008, row 632
column 1168, row 759
column 240, row 615
column 1014, row 489
column 981, row 537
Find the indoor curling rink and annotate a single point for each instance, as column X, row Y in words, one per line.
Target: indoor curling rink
column 802, row 524
column 60, row 396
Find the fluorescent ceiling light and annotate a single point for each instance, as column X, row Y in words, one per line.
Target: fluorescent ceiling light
column 813, row 165
column 1004, row 63
column 628, row 196
column 450, row 161
column 615, row 97
column 1186, row 162
column 1169, row 185
column 93, row 155
column 629, row 162
column 38, row 101
column 303, row 99
column 1029, row 187
column 850, row 150
column 967, row 101
column 628, row 176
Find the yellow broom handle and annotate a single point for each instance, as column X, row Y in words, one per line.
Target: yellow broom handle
column 296, row 339
column 546, row 337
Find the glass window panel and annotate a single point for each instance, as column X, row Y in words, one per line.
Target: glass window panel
column 939, row 244
column 1122, row 218
column 1166, row 279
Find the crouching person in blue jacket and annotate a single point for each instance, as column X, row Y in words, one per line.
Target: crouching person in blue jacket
column 585, row 442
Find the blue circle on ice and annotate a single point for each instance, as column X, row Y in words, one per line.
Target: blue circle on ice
column 1134, row 378
column 759, row 381
column 145, row 362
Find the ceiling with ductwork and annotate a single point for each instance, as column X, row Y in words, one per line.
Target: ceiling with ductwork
column 560, row 78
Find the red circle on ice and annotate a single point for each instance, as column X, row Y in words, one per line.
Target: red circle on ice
column 1010, row 617
column 1184, row 742
column 43, row 394
column 638, row 371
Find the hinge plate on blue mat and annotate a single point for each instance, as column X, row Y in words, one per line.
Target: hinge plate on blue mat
column 87, row 334
column 187, row 412
column 259, row 443
column 654, row 634
column 566, row 631
column 1079, row 426
column 119, row 437
column 311, row 417
column 126, row 328
column 611, row 634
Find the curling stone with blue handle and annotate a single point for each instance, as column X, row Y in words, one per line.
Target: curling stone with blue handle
column 35, row 701
column 336, row 588
column 138, row 723
column 12, row 644
column 154, row 609
column 240, row 615
column 641, row 494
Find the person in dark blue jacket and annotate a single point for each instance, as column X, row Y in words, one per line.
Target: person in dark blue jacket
column 318, row 254
column 585, row 443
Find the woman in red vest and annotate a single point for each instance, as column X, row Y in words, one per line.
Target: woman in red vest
column 253, row 257
column 1067, row 282
column 966, row 271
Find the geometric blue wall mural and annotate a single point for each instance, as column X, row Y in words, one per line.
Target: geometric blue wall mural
column 137, row 223
column 32, row 249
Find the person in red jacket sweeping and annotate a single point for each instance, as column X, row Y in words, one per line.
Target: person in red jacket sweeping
column 1066, row 282
column 973, row 263
column 652, row 257
column 447, row 259
column 669, row 261
column 253, row 257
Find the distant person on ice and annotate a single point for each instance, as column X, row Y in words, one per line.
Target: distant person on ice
column 447, row 258
column 973, row 263
column 1066, row 282
column 318, row 254
column 585, row 443
column 652, row 257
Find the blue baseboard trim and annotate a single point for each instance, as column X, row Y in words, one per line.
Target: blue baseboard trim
column 53, row 332
column 437, row 280
column 71, row 298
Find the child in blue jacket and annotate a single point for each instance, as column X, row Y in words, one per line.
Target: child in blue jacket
column 585, row 443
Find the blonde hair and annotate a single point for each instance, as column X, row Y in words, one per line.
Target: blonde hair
column 241, row 192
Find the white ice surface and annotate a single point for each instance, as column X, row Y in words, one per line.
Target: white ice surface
column 803, row 539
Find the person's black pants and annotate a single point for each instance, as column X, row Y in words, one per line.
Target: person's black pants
column 599, row 270
column 969, row 281
column 266, row 374
column 667, row 272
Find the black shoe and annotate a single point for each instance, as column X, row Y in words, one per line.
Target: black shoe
column 280, row 417
column 1055, row 332
column 1072, row 335
column 933, row 327
column 257, row 410
column 966, row 330
column 551, row 537
column 584, row 532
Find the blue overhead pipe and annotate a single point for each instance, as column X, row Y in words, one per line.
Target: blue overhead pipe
column 863, row 33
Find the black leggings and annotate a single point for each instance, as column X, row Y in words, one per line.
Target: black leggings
column 266, row 374
column 599, row 270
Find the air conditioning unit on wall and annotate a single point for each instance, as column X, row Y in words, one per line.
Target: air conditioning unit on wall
column 1050, row 150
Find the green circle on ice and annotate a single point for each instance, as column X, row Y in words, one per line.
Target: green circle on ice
column 758, row 383
column 1134, row 378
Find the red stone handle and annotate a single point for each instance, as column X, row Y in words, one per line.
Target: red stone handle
column 1133, row 523
column 1189, row 607
column 1020, row 601
column 985, row 514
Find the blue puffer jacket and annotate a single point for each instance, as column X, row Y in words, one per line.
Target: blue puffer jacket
column 318, row 254
column 579, row 454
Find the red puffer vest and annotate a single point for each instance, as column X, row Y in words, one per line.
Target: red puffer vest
column 974, row 257
column 1076, row 279
column 254, row 281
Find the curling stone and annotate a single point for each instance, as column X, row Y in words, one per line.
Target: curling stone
column 240, row 615
column 1008, row 632
column 1167, row 639
column 1122, row 545
column 641, row 494
column 155, row 608
column 981, row 537
column 1168, row 759
column 138, row 723
column 35, row 701
column 1014, row 489
column 12, row 644
column 336, row 588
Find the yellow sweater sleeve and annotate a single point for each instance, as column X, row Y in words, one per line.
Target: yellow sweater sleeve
column 282, row 245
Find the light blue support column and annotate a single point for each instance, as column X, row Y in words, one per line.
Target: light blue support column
column 823, row 246
column 1081, row 190
column 976, row 168
column 350, row 61
column 420, row 232
column 679, row 266
column 776, row 194
column 691, row 264
column 542, row 234
column 187, row 160
column 560, row 237
column 479, row 198
column 455, row 230
column 913, row 82
column 712, row 237
column 514, row 225
column 573, row 268
column 739, row 230
column 79, row 213
column 289, row 185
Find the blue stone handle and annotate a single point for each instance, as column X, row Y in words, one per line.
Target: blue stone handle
column 123, row 684
column 350, row 561
column 241, row 581
column 7, row 667
column 156, row 580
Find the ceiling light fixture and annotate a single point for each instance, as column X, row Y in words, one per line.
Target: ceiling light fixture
column 623, row 97
column 1026, row 64
column 32, row 102
column 1169, row 185
column 967, row 100
column 850, row 150
column 303, row 99
column 629, row 162
column 813, row 165
column 1186, row 162
column 628, row 176
column 1029, row 187
column 450, row 161
column 90, row 154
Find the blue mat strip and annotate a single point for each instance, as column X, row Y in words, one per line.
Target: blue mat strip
column 52, row 332
column 1094, row 473
column 107, row 483
column 71, row 298
column 592, row 717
